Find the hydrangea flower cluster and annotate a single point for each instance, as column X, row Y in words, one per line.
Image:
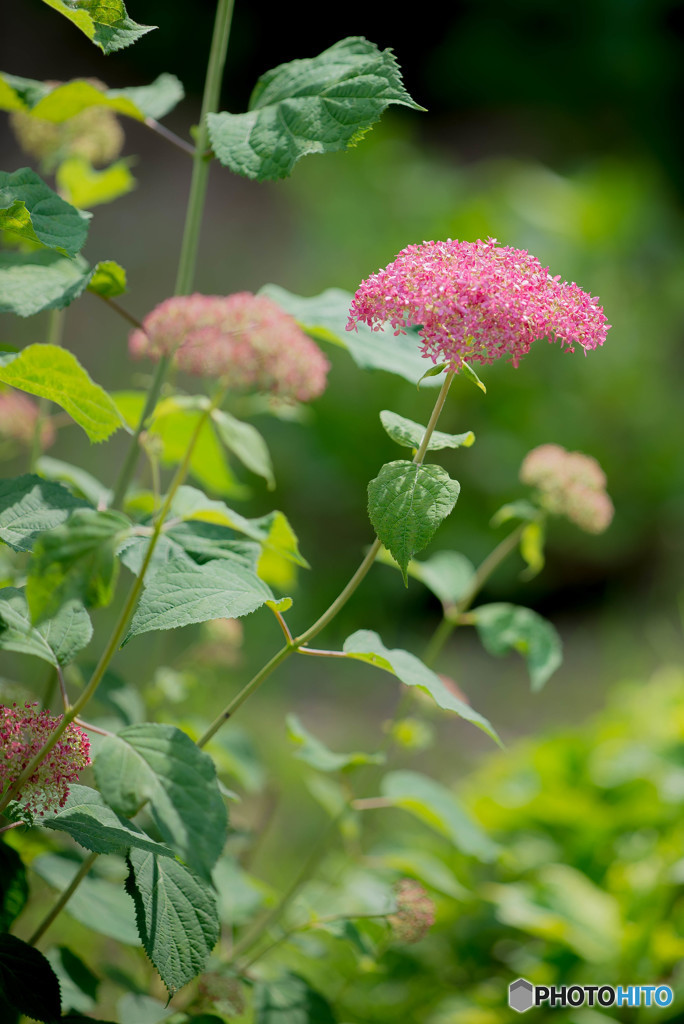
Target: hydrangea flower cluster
column 246, row 340
column 415, row 913
column 570, row 484
column 477, row 301
column 94, row 133
column 23, row 731
column 18, row 417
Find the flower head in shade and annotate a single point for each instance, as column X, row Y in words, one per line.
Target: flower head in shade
column 18, row 418
column 23, row 731
column 415, row 913
column 477, row 301
column 570, row 484
column 246, row 340
column 94, row 134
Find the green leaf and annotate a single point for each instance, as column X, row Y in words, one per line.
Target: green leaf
column 365, row 645
column 325, row 318
column 290, row 1000
column 13, row 886
column 427, row 868
column 76, row 560
column 135, row 1008
column 77, row 982
column 406, row 504
column 532, row 548
column 82, row 185
column 57, row 640
column 51, row 372
column 508, row 627
column 409, row 434
column 27, row 981
column 246, row 443
column 58, row 103
column 319, row 105
column 108, row 279
column 176, row 914
column 33, row 281
column 434, row 371
column 29, row 208
column 161, row 766
column 447, row 574
column 272, row 531
column 439, row 808
column 29, row 506
column 207, row 541
column 318, row 756
column 472, row 376
column 115, row 916
column 523, row 510
column 79, row 479
column 95, row 826
column 180, row 593
column 105, row 22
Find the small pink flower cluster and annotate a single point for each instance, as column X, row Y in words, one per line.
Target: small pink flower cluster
column 477, row 301
column 570, row 484
column 23, row 731
column 415, row 913
column 18, row 417
column 245, row 339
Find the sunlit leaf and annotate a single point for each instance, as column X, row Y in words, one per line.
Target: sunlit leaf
column 410, row 434
column 105, row 22
column 33, row 281
column 108, row 279
column 85, row 187
column 315, row 753
column 92, row 824
column 58, row 103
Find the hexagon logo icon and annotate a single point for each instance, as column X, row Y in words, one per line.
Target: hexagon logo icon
column 521, row 995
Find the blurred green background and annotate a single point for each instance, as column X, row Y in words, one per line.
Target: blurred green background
column 554, row 130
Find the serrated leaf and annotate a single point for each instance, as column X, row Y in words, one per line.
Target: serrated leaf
column 27, row 981
column 176, row 914
column 315, row 753
column 29, row 506
column 56, row 640
column 180, row 593
column 31, row 282
column 108, row 279
column 246, row 443
column 410, row 434
column 273, row 530
column 51, row 372
column 290, row 1000
column 76, row 561
column 29, row 208
column 95, row 826
column 105, row 22
column 115, row 916
column 84, row 186
column 13, row 886
column 80, row 480
column 447, row 574
column 161, row 765
column 508, row 627
column 365, row 645
column 319, row 105
column 406, row 504
column 57, row 103
column 325, row 318
column 438, row 807
column 472, row 376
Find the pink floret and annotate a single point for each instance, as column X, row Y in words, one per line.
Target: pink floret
column 477, row 301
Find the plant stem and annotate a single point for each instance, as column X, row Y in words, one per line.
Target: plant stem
column 128, row 317
column 54, row 337
column 64, row 898
column 193, row 224
column 295, row 645
column 170, row 136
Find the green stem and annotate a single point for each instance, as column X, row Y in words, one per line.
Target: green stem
column 193, row 224
column 64, row 898
column 54, row 337
column 292, row 646
column 74, row 710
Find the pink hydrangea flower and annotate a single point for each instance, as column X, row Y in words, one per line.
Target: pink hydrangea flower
column 18, row 417
column 246, row 340
column 23, row 731
column 570, row 484
column 477, row 301
column 415, row 913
